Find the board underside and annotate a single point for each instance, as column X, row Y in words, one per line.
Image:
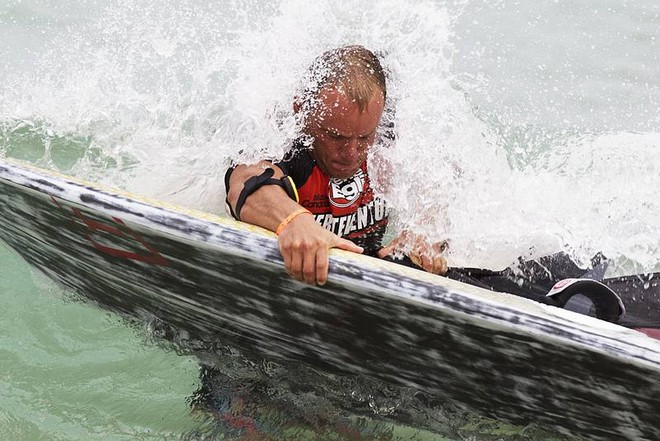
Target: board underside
column 503, row 356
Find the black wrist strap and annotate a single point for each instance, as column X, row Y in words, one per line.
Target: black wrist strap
column 266, row 178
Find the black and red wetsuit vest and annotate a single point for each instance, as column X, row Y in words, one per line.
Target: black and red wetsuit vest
column 346, row 207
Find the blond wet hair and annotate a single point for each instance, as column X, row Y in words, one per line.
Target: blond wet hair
column 353, row 70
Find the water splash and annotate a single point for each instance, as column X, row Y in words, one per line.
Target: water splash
column 169, row 94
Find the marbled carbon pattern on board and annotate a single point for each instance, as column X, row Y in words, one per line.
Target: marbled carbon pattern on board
column 217, row 279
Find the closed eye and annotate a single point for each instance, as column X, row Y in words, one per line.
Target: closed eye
column 333, row 135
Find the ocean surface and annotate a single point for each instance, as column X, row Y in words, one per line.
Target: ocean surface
column 523, row 128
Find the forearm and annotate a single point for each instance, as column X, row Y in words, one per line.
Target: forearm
column 303, row 243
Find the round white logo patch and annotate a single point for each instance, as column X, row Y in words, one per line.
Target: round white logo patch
column 344, row 193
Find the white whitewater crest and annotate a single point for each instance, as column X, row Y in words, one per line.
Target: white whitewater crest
column 170, row 93
column 602, row 192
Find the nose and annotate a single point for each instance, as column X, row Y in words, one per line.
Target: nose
column 352, row 149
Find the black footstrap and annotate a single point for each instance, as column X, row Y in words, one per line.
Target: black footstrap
column 589, row 297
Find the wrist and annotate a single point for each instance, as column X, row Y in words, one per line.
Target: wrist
column 287, row 220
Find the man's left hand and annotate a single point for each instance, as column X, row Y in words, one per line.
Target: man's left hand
column 419, row 250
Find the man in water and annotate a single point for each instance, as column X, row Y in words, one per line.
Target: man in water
column 317, row 198
column 320, row 196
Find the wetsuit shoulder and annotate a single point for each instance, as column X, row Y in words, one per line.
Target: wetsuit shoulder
column 298, row 164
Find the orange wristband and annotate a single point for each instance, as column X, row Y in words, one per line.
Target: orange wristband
column 289, row 218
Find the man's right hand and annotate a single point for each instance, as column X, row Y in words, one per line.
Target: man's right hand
column 304, row 245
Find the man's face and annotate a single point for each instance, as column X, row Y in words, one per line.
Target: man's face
column 342, row 133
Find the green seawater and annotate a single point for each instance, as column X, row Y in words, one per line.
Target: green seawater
column 71, row 371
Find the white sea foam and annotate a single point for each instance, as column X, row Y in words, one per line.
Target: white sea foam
column 171, row 94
